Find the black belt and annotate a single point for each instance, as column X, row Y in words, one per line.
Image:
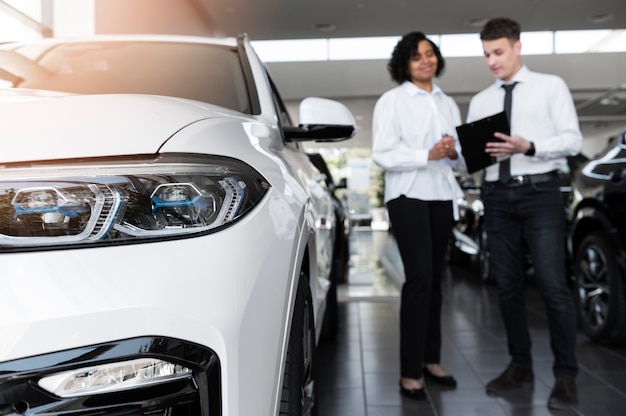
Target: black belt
column 521, row 180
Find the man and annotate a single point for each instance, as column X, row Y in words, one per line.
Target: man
column 523, row 201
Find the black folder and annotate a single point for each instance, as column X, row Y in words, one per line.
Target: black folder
column 474, row 137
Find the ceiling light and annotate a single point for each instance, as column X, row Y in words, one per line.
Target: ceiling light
column 324, row 27
column 600, row 18
column 475, row 21
column 612, row 100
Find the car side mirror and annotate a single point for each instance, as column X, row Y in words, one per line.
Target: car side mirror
column 322, row 120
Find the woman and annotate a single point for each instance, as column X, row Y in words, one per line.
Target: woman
column 414, row 142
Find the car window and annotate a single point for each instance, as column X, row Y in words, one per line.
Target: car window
column 281, row 109
column 208, row 73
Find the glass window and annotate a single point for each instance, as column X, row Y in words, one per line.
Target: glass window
column 537, row 43
column 361, row 48
column 296, row 50
column 461, row 45
column 208, row 73
column 579, row 41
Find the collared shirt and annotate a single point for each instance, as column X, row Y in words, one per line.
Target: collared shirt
column 542, row 112
column 407, row 122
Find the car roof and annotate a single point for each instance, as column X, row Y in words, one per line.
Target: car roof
column 225, row 41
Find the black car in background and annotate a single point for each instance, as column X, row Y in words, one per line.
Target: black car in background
column 341, row 251
column 597, row 244
column 469, row 238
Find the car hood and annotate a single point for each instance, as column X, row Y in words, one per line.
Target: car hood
column 40, row 125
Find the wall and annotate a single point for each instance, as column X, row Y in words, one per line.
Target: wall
column 185, row 17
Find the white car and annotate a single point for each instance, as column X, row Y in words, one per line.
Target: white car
column 165, row 243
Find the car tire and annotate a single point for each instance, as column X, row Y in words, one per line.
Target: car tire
column 341, row 257
column 456, row 256
column 599, row 290
column 484, row 258
column 339, row 274
column 298, row 391
column 329, row 327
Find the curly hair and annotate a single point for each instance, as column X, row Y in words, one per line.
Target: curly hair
column 405, row 49
column 501, row 27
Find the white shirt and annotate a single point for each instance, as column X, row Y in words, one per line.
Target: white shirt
column 542, row 112
column 407, row 122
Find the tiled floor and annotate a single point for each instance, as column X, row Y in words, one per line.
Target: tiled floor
column 359, row 372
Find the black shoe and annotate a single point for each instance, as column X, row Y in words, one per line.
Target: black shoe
column 564, row 394
column 446, row 381
column 415, row 394
column 511, row 378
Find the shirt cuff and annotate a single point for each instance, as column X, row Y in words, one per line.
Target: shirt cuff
column 421, row 156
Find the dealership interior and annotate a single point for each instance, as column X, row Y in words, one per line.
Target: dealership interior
column 358, row 370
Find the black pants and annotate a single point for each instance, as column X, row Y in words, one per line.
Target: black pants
column 422, row 230
column 533, row 212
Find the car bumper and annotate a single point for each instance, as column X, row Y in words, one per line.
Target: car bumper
column 198, row 394
column 228, row 293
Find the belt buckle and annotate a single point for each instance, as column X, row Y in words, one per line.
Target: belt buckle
column 517, row 180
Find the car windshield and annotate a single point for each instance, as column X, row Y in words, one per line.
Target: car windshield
column 208, row 73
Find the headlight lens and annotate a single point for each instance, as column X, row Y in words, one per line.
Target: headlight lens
column 113, row 377
column 124, row 201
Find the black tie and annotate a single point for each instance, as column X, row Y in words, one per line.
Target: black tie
column 505, row 165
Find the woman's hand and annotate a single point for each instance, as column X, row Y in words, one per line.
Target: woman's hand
column 443, row 148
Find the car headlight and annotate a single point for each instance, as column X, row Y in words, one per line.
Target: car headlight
column 478, row 207
column 124, row 201
column 107, row 378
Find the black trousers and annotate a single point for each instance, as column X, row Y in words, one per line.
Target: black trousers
column 422, row 230
column 535, row 213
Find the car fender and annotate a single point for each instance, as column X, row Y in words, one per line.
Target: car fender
column 587, row 219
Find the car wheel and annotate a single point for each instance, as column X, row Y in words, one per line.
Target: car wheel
column 598, row 290
column 341, row 257
column 455, row 255
column 329, row 327
column 484, row 258
column 298, row 392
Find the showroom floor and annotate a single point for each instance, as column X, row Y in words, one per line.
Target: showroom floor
column 358, row 373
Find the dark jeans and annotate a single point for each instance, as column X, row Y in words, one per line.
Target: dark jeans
column 533, row 212
column 422, row 230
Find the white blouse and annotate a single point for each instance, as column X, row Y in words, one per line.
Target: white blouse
column 407, row 122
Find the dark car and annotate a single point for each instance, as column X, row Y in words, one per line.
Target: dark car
column 341, row 251
column 469, row 237
column 597, row 243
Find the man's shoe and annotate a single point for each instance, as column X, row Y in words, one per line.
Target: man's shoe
column 512, row 378
column 564, row 394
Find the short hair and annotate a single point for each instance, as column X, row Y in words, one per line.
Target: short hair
column 405, row 49
column 501, row 27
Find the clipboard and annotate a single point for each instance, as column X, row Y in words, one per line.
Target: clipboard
column 474, row 136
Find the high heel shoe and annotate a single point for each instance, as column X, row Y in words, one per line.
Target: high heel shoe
column 446, row 381
column 415, row 394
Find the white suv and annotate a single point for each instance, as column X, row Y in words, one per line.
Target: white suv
column 165, row 243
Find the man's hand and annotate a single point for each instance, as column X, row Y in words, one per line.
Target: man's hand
column 509, row 145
